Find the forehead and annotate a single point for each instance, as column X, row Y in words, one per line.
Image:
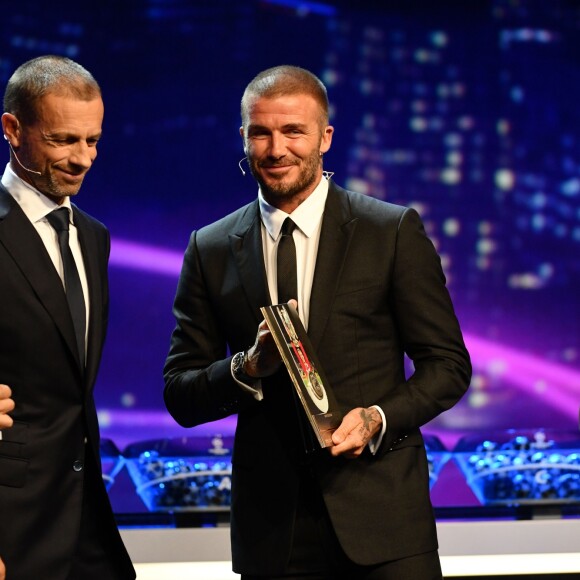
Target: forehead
column 294, row 108
column 58, row 112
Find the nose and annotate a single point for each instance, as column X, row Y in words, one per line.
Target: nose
column 277, row 146
column 82, row 154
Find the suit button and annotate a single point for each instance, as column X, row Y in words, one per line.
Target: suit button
column 78, row 465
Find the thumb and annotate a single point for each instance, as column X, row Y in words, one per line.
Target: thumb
column 339, row 434
column 347, row 424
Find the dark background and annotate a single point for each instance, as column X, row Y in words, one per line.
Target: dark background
column 468, row 111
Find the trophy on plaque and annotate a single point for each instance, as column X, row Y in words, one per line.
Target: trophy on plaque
column 311, row 386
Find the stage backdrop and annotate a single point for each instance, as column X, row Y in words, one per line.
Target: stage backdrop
column 467, row 111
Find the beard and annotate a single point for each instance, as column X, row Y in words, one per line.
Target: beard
column 284, row 189
column 48, row 182
column 53, row 188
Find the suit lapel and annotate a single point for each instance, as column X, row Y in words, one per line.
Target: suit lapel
column 246, row 245
column 23, row 243
column 338, row 227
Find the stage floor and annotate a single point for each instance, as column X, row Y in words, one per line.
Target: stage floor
column 467, row 548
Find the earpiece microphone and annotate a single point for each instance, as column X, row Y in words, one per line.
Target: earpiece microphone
column 16, row 157
column 240, row 164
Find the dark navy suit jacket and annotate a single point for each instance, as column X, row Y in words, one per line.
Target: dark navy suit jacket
column 41, row 494
column 378, row 292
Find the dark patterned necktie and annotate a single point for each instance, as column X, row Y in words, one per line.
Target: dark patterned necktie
column 286, row 264
column 59, row 220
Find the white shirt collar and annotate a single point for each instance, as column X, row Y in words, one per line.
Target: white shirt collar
column 33, row 203
column 306, row 216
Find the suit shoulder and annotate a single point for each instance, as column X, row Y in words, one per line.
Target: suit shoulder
column 236, row 222
column 88, row 219
column 365, row 206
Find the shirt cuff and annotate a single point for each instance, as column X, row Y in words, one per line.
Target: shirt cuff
column 255, row 389
column 376, row 441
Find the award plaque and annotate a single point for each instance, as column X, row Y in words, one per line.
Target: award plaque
column 305, row 371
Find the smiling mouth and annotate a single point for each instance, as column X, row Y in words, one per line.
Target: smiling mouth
column 74, row 176
column 278, row 168
column 278, row 173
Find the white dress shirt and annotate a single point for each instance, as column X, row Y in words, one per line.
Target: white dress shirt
column 308, row 219
column 36, row 206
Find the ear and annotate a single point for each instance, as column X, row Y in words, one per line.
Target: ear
column 326, row 140
column 243, row 140
column 11, row 129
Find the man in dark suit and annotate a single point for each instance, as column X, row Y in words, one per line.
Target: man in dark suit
column 369, row 288
column 57, row 522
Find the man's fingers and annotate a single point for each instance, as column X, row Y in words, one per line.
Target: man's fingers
column 352, row 435
column 348, row 423
column 6, row 406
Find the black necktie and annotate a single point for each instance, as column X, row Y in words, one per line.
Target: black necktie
column 288, row 288
column 59, row 220
column 286, row 263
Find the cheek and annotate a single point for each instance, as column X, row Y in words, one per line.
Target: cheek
column 304, row 150
column 52, row 156
column 255, row 154
column 255, row 150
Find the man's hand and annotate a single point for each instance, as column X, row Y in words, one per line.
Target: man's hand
column 2, row 570
column 358, row 427
column 263, row 359
column 6, row 406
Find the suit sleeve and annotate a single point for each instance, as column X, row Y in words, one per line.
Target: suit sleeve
column 429, row 332
column 199, row 386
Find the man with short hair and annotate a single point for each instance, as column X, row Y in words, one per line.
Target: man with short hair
column 57, row 522
column 369, row 288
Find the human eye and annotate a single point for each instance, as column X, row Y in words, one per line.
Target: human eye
column 61, row 141
column 258, row 134
column 294, row 131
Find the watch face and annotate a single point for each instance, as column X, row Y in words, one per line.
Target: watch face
column 238, row 364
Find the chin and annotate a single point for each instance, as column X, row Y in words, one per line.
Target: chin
column 281, row 192
column 67, row 190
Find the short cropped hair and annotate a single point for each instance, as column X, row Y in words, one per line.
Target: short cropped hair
column 44, row 75
column 285, row 80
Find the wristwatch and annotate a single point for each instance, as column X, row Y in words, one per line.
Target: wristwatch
column 238, row 364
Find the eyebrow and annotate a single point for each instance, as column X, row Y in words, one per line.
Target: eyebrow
column 294, row 126
column 67, row 135
column 257, row 127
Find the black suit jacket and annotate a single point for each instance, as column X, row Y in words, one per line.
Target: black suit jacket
column 41, row 494
column 378, row 292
